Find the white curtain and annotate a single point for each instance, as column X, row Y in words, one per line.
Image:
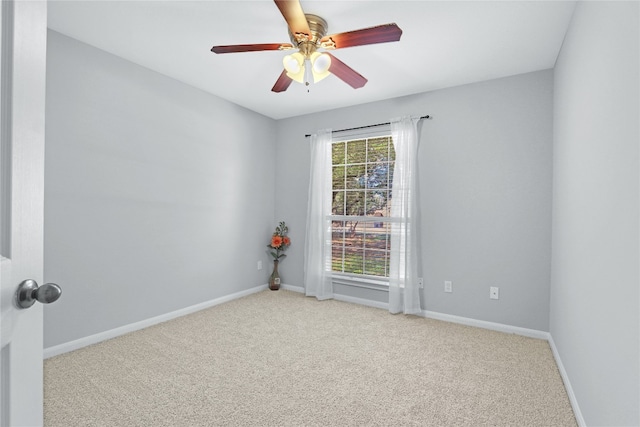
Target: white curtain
column 404, row 295
column 317, row 252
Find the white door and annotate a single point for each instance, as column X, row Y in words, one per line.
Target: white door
column 22, row 94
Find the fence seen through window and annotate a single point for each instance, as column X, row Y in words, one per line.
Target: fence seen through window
column 362, row 175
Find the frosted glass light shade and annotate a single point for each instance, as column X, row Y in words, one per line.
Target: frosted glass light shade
column 290, row 64
column 321, row 63
column 293, row 64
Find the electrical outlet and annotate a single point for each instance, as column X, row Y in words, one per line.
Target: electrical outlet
column 494, row 292
column 259, row 265
column 448, row 286
column 420, row 283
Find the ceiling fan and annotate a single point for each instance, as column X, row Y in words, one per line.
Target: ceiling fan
column 308, row 34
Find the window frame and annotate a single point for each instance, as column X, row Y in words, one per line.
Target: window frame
column 379, row 283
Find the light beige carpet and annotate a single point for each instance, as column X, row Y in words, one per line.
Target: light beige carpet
column 278, row 358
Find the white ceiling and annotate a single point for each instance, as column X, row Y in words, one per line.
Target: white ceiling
column 444, row 44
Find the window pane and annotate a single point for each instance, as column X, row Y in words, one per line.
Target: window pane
column 375, row 263
column 387, row 232
column 378, row 174
column 337, row 245
column 337, row 177
column 353, row 247
column 354, row 233
column 376, row 236
column 377, row 203
column 378, row 150
column 336, row 259
column 355, row 203
column 337, row 205
column 356, row 151
column 353, row 260
column 337, row 153
column 356, row 176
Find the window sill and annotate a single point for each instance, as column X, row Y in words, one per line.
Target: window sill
column 368, row 282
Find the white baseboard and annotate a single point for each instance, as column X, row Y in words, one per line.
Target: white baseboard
column 500, row 327
column 298, row 289
column 567, row 384
column 102, row 336
column 532, row 333
column 361, row 301
column 344, row 298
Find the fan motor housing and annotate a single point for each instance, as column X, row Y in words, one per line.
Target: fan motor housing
column 318, row 27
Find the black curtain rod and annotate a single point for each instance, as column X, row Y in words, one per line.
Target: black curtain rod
column 367, row 126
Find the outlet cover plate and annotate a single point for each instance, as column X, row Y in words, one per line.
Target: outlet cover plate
column 420, row 283
column 448, row 286
column 494, row 292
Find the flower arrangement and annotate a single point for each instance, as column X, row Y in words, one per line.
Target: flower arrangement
column 279, row 242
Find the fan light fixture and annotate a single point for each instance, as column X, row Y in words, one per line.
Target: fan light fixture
column 302, row 69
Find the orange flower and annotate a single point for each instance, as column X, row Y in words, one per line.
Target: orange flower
column 286, row 241
column 276, row 241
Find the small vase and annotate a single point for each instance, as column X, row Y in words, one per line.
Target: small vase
column 274, row 279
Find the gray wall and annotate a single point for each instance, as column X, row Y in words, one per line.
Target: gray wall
column 485, row 188
column 158, row 196
column 594, row 299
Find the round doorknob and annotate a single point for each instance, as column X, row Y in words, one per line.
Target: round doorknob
column 29, row 292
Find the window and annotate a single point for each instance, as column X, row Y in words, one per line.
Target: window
column 360, row 231
column 362, row 174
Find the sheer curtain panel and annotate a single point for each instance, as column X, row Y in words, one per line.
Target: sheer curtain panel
column 317, row 253
column 404, row 295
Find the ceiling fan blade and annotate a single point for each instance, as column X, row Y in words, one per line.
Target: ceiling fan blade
column 294, row 15
column 379, row 34
column 346, row 73
column 282, row 83
column 251, row 47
